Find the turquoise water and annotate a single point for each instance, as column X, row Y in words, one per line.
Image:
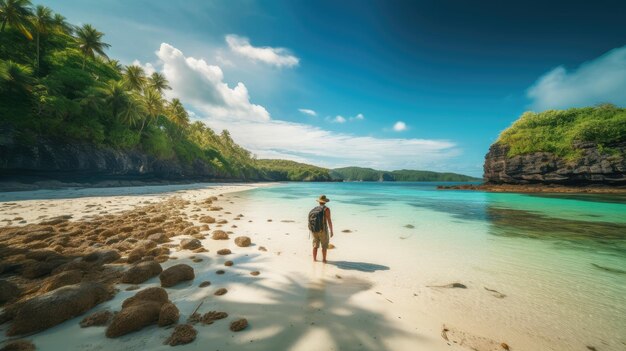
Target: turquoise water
column 560, row 259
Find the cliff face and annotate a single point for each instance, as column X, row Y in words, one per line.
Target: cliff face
column 86, row 162
column 593, row 167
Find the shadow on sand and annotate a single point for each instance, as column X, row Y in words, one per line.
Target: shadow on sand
column 358, row 266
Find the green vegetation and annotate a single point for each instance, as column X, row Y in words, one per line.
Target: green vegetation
column 369, row 174
column 290, row 170
column 557, row 131
column 58, row 84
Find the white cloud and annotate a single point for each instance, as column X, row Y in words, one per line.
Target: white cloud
column 202, row 85
column 358, row 117
column 339, row 119
column 278, row 57
column 307, row 111
column 148, row 67
column 311, row 144
column 399, row 126
column 600, row 80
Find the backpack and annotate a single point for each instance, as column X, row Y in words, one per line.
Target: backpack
column 316, row 219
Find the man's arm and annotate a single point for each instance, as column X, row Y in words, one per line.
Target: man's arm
column 330, row 222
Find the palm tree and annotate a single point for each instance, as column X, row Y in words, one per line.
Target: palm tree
column 15, row 75
column 122, row 103
column 42, row 21
column 90, row 42
column 152, row 104
column 158, row 82
column 177, row 113
column 61, row 24
column 16, row 13
column 135, row 77
column 116, row 65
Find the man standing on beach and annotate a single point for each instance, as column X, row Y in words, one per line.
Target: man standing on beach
column 319, row 223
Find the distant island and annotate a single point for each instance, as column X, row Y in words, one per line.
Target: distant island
column 359, row 174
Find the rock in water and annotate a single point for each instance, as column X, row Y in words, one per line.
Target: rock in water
column 243, row 241
column 220, row 291
column 182, row 334
column 141, row 272
column 228, row 263
column 52, row 308
column 96, row 319
column 19, row 345
column 176, row 274
column 239, row 324
column 224, row 252
column 169, row 314
column 219, row 235
column 190, row 244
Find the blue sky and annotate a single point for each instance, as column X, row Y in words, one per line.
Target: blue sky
column 448, row 75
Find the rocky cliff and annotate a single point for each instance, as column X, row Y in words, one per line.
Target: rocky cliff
column 592, row 167
column 81, row 162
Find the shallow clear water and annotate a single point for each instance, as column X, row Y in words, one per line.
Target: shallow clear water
column 560, row 259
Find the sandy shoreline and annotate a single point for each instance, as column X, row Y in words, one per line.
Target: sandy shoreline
column 352, row 303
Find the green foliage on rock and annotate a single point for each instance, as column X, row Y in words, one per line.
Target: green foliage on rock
column 558, row 131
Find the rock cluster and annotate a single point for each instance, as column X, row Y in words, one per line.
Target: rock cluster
column 592, row 167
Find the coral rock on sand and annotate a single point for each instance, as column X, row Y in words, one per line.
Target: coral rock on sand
column 238, row 325
column 169, row 314
column 222, row 221
column 32, row 269
column 182, row 334
column 138, row 311
column 62, row 279
column 159, row 238
column 57, row 306
column 190, row 244
column 220, row 292
column 102, row 256
column 212, row 316
column 262, row 248
column 154, row 294
column 255, row 273
column 242, row 241
column 141, row 272
column 228, row 263
column 8, row 291
column 19, row 345
column 96, row 319
column 176, row 274
column 224, row 252
column 207, row 219
column 219, row 235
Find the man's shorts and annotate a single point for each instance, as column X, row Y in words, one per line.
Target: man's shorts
column 320, row 237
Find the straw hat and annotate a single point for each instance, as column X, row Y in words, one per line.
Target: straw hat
column 323, row 199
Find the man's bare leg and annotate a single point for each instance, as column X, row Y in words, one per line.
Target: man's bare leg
column 315, row 254
column 324, row 254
